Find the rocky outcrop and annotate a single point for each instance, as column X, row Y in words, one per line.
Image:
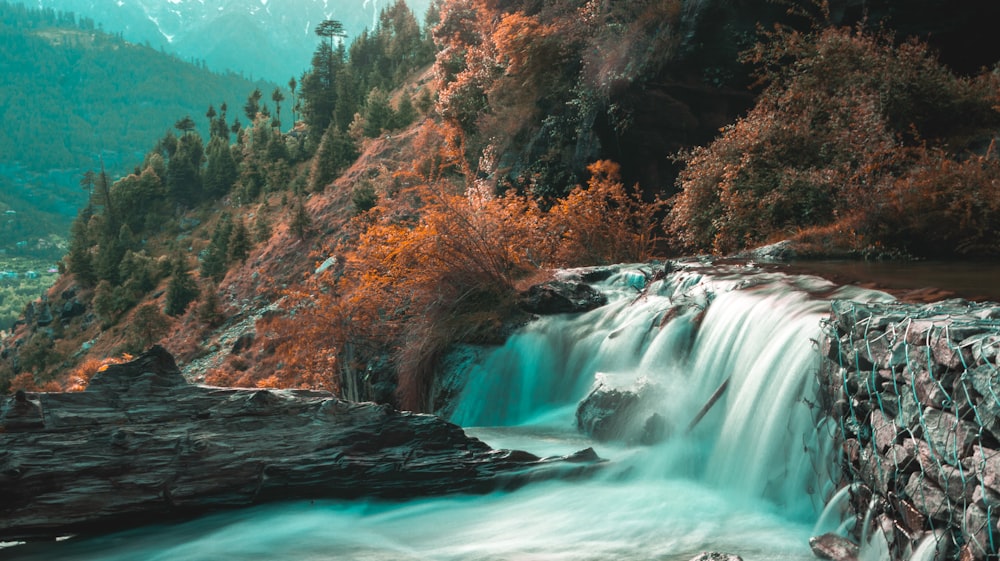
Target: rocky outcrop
column 914, row 392
column 142, row 445
column 559, row 297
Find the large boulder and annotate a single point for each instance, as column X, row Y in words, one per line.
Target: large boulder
column 622, row 414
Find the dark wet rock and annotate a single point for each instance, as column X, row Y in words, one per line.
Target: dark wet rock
column 622, row 414
column 834, row 548
column 146, row 446
column 558, row 297
column 606, row 413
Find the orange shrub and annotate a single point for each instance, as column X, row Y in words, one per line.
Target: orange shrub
column 841, row 121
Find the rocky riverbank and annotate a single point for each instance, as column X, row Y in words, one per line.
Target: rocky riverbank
column 914, row 394
column 142, row 445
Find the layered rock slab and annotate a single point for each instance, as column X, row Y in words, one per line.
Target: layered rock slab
column 143, row 445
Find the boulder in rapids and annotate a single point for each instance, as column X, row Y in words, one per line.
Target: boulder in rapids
column 560, row 297
column 834, row 548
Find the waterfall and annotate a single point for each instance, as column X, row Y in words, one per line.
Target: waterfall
column 748, row 478
column 675, row 343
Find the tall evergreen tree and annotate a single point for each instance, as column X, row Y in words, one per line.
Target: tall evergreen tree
column 277, row 97
column 184, row 170
column 214, row 257
column 79, row 261
column 239, row 242
column 182, row 289
column 221, row 170
column 336, row 151
column 300, row 221
column 252, row 106
column 378, row 114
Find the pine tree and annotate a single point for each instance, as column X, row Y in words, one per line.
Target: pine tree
column 214, row 258
column 277, row 97
column 300, row 221
column 405, row 113
column 221, row 170
column 79, row 260
column 181, row 290
column 184, row 170
column 336, row 152
column 239, row 243
column 378, row 114
column 252, row 106
column 261, row 228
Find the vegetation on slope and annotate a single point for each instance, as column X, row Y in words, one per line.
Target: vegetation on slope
column 72, row 96
column 857, row 145
column 405, row 210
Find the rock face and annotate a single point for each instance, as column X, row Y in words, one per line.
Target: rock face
column 142, row 445
column 559, row 297
column 914, row 392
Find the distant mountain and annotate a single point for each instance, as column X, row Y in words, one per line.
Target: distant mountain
column 72, row 97
column 273, row 39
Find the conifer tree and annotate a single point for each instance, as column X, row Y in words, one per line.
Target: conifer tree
column 300, row 221
column 239, row 242
column 184, row 170
column 336, row 152
column 405, row 113
column 252, row 106
column 378, row 114
column 182, row 289
column 214, row 258
column 79, row 260
column 277, row 97
column 221, row 170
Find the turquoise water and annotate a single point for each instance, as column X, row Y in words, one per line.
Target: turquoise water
column 751, row 478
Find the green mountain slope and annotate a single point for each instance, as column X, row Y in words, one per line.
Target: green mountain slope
column 71, row 97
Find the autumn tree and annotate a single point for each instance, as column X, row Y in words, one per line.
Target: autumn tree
column 838, row 130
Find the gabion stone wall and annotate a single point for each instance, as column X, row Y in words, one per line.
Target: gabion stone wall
column 914, row 392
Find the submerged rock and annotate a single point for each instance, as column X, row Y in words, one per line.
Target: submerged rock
column 834, row 548
column 716, row 556
column 142, row 445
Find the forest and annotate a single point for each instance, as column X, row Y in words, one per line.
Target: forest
column 393, row 200
column 73, row 97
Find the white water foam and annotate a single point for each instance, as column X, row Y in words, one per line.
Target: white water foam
column 748, row 479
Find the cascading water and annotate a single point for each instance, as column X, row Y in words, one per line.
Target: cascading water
column 749, row 477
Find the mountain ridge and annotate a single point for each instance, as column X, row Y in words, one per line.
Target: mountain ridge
column 283, row 30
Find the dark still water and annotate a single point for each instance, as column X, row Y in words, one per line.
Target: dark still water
column 925, row 281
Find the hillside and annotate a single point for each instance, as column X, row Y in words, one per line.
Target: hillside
column 270, row 40
column 433, row 176
column 74, row 97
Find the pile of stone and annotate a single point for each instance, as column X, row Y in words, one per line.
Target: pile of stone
column 914, row 392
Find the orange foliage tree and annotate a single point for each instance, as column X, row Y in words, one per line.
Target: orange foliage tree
column 412, row 283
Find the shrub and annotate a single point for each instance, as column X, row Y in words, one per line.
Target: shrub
column 846, row 131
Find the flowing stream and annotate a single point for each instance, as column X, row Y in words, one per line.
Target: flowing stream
column 749, row 478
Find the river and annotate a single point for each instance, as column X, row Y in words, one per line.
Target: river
column 750, row 478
